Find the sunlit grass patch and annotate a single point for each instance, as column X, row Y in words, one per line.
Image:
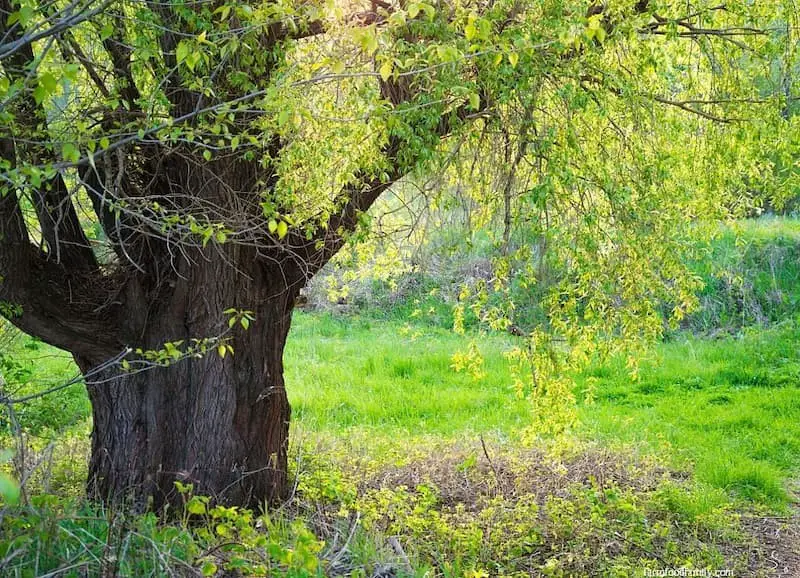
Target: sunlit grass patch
column 727, row 409
column 344, row 373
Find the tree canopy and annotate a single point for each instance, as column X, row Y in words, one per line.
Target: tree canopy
column 143, row 141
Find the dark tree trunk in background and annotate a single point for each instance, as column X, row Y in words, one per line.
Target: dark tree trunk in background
column 220, row 423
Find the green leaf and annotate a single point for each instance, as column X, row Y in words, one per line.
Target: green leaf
column 386, row 70
column 368, row 39
column 207, row 154
column 600, row 34
column 272, row 225
column 182, row 51
column 223, row 11
column 470, row 31
column 208, row 569
column 23, row 16
column 474, row 101
column 513, row 58
column 196, row 505
column 397, row 19
column 106, row 31
column 223, row 530
column 70, row 152
column 245, row 323
column 283, row 228
column 46, row 86
column 192, row 59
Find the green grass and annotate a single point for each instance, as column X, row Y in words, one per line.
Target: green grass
column 751, row 273
column 726, row 410
column 31, row 367
column 345, row 373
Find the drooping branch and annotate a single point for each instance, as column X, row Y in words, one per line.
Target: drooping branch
column 359, row 197
column 365, row 189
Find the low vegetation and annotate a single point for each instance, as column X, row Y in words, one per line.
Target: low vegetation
column 402, row 466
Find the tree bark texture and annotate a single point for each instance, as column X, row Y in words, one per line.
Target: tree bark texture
column 220, row 423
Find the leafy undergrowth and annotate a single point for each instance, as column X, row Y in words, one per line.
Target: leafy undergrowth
column 438, row 510
column 750, row 271
column 393, row 481
column 751, row 276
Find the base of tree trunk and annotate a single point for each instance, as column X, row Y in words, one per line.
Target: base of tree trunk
column 219, row 423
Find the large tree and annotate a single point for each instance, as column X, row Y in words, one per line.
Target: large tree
column 175, row 171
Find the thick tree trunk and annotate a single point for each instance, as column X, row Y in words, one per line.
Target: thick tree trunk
column 220, row 423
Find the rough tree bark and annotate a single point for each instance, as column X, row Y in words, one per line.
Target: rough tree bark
column 221, row 423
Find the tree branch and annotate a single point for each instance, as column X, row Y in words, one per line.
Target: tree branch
column 20, row 42
column 43, row 299
column 60, row 226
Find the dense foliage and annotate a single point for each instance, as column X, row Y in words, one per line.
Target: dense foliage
column 611, row 128
column 174, row 172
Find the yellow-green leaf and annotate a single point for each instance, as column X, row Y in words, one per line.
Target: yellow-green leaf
column 386, row 70
column 196, row 506
column 283, row 228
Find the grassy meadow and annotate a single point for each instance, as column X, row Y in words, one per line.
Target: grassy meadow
column 407, row 467
column 726, row 409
